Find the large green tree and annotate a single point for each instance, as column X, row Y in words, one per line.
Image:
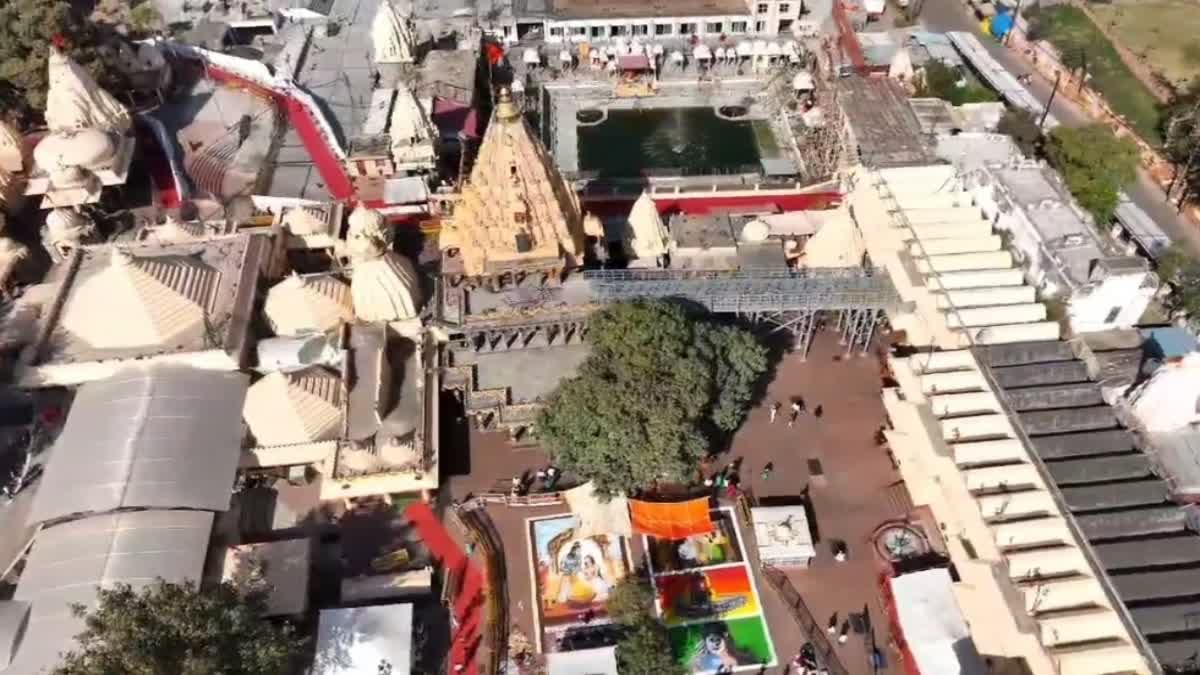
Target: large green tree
column 643, row 647
column 1022, row 127
column 662, row 384
column 941, row 81
column 177, row 628
column 27, row 30
column 1178, row 268
column 1095, row 164
column 1181, row 131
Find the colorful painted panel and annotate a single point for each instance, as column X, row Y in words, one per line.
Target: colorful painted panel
column 722, row 645
column 723, row 593
column 573, row 577
column 702, row 550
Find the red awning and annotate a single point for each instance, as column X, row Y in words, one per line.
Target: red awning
column 633, row 62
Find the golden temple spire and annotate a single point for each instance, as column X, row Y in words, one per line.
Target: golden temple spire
column 506, row 109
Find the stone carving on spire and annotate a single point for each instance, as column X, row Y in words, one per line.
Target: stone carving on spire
column 516, row 214
column 392, row 35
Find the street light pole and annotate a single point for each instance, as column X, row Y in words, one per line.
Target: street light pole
column 1050, row 101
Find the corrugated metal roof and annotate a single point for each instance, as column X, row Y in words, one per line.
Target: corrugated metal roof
column 1077, row 395
column 1174, row 618
column 1068, row 420
column 1021, row 353
column 1177, row 550
column 69, row 561
column 1140, row 522
column 1036, row 374
column 1100, row 469
column 1084, row 444
column 1156, row 585
column 1120, row 495
column 159, row 436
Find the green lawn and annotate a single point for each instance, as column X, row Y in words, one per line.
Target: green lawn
column 1080, row 41
column 1164, row 32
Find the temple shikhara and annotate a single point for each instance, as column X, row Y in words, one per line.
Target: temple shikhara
column 516, row 216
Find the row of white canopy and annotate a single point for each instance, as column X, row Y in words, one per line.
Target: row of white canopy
column 701, row 52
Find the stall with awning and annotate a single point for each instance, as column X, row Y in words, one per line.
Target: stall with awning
column 633, row 63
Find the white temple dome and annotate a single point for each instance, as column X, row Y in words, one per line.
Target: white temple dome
column 306, row 305
column 75, row 101
column 86, row 148
column 364, row 220
column 303, row 406
column 385, row 288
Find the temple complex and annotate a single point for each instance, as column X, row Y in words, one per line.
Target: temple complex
column 516, row 216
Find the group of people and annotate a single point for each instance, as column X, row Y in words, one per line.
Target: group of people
column 798, row 408
column 548, row 477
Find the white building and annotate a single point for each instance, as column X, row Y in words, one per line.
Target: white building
column 1058, row 246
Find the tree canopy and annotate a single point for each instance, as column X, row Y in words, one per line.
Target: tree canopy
column 1181, row 131
column 941, row 81
column 1182, row 271
column 643, row 647
column 1021, row 126
column 662, row 384
column 1095, row 164
column 27, row 30
column 176, row 628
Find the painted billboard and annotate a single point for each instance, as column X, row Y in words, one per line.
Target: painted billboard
column 573, row 578
column 720, row 593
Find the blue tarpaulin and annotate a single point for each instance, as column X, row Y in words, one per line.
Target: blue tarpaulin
column 1001, row 24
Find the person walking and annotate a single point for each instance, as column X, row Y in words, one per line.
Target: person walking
column 766, row 472
column 797, row 408
column 818, row 412
column 774, row 411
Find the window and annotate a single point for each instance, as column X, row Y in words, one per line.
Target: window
column 785, row 25
column 662, row 29
column 556, row 32
column 641, row 30
column 714, row 27
column 784, row 7
column 760, row 26
column 581, row 31
column 1112, row 315
column 618, row 30
column 597, row 31
column 687, row 28
column 763, row 8
column 737, row 27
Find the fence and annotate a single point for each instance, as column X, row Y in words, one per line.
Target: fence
column 481, row 530
column 826, row 655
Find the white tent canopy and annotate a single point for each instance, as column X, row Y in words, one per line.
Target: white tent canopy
column 803, row 81
column 933, row 625
column 702, row 53
column 531, row 57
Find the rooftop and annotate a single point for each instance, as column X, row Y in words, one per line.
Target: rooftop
column 175, row 299
column 1110, row 488
column 70, row 560
column 157, row 436
column 885, row 128
column 1067, row 233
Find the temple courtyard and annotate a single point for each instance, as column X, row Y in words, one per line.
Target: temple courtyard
column 833, row 465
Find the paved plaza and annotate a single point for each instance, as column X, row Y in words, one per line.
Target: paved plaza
column 852, row 489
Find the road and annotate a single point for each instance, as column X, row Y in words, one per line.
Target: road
column 953, row 15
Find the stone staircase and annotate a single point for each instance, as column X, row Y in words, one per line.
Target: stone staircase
column 489, row 408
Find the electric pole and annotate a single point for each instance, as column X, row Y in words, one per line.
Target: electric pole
column 1050, row 101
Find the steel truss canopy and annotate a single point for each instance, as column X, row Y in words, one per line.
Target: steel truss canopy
column 71, row 560
column 159, row 436
column 753, row 291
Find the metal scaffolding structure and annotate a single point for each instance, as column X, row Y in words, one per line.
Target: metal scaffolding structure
column 794, row 301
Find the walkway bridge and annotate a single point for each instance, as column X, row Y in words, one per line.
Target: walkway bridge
column 791, row 300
